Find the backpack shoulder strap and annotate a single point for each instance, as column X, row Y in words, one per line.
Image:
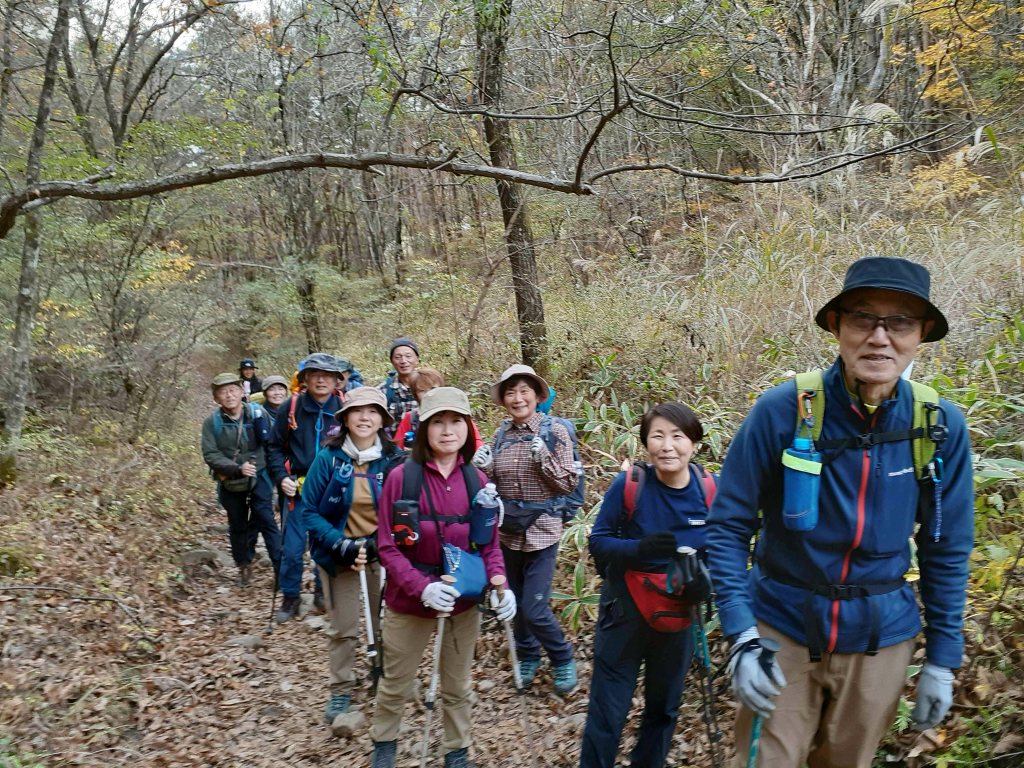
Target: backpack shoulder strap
column 806, row 384
column 472, row 479
column 636, row 475
column 923, row 448
column 547, row 432
column 292, row 424
column 706, row 483
column 218, row 423
column 412, row 480
column 499, row 437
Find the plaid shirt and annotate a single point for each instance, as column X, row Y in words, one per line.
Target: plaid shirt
column 402, row 399
column 521, row 478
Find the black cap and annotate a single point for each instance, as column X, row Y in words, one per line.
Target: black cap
column 403, row 341
column 247, row 363
column 894, row 275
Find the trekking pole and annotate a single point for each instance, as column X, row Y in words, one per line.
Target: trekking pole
column 707, row 690
column 432, row 690
column 285, row 508
column 498, row 582
column 769, row 648
column 371, row 645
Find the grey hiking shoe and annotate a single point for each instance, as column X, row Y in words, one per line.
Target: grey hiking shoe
column 338, row 705
column 244, row 573
column 458, row 758
column 289, row 607
column 565, row 678
column 528, row 670
column 384, row 754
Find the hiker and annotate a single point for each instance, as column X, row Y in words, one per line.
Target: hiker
column 275, row 392
column 397, row 387
column 352, row 377
column 422, row 381
column 532, row 480
column 251, row 384
column 233, row 438
column 299, row 432
column 827, row 581
column 414, row 594
column 635, row 540
column 339, row 509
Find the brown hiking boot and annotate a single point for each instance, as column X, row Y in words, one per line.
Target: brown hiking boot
column 319, row 606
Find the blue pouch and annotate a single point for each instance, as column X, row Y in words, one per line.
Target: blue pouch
column 467, row 568
column 801, row 477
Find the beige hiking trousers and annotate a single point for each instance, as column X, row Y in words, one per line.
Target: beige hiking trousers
column 344, row 603
column 862, row 693
column 405, row 639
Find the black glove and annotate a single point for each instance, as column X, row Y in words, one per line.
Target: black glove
column 657, row 546
column 688, row 577
column 347, row 550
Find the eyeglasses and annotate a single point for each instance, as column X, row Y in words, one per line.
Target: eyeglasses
column 895, row 325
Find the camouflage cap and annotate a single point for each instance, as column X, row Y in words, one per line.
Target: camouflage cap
column 221, row 379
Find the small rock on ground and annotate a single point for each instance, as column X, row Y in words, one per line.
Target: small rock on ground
column 486, row 686
column 199, row 557
column 252, row 642
column 347, row 724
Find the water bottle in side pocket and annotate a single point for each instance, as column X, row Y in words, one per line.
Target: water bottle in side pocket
column 801, row 471
column 484, row 515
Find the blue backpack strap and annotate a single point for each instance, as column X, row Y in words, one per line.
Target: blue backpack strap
column 499, row 438
column 218, row 423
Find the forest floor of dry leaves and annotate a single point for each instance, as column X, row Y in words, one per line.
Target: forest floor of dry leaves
column 180, row 671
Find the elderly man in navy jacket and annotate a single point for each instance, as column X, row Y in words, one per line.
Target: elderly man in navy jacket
column 888, row 456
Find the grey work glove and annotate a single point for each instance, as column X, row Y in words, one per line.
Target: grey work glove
column 537, row 448
column 483, row 457
column 751, row 685
column 934, row 696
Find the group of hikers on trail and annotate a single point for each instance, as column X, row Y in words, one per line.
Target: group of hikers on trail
column 833, row 474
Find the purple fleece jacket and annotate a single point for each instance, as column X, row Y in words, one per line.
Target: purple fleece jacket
column 405, row 584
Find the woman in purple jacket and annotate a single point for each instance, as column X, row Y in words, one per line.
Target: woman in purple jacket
column 415, row 594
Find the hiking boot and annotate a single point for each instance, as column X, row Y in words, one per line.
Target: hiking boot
column 338, row 705
column 528, row 670
column 289, row 607
column 384, row 754
column 458, row 758
column 319, row 606
column 565, row 678
column 244, row 572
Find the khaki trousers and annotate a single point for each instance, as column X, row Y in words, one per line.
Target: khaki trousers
column 344, row 604
column 405, row 639
column 831, row 714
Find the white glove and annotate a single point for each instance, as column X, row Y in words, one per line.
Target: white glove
column 506, row 606
column 483, row 457
column 439, row 596
column 934, row 696
column 751, row 685
column 538, row 449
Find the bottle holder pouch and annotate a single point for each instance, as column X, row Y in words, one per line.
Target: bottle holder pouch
column 801, row 472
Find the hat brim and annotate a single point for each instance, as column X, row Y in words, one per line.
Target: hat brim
column 386, row 418
column 302, row 374
column 426, row 415
column 545, row 390
column 938, row 331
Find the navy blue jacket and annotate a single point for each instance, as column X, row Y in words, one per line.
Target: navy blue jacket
column 868, row 504
column 313, row 422
column 682, row 511
column 327, row 498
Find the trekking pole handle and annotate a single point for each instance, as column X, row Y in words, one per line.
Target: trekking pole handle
column 769, row 648
column 449, row 580
column 362, row 548
column 498, row 582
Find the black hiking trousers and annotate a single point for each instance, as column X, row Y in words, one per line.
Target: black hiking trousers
column 251, row 513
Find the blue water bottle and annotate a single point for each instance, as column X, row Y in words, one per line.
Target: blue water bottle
column 484, row 515
column 801, row 470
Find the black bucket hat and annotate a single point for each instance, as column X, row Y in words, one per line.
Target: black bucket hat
column 894, row 275
column 246, row 363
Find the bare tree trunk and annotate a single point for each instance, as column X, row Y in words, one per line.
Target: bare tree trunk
column 25, row 305
column 5, row 65
column 491, row 37
column 310, row 314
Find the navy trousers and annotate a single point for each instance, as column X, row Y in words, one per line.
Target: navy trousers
column 623, row 641
column 293, row 550
column 535, row 625
column 250, row 514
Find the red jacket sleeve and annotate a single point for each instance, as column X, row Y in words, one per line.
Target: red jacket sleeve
column 403, row 426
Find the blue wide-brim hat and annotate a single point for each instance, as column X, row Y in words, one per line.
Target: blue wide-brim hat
column 894, row 275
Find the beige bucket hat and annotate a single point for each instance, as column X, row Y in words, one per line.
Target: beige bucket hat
column 520, row 370
column 366, row 396
column 269, row 381
column 444, row 399
column 222, row 380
